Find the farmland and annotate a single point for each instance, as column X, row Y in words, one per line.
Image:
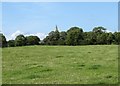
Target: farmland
column 92, row 64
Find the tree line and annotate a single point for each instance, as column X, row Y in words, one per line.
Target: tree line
column 74, row 36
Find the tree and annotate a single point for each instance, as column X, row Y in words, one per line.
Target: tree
column 52, row 38
column 99, row 29
column 32, row 40
column 110, row 38
column 3, row 42
column 62, row 38
column 117, row 37
column 90, row 38
column 74, row 36
column 102, row 38
column 11, row 43
column 20, row 40
column 47, row 41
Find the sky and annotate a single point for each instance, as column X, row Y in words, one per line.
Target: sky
column 60, row 0
column 39, row 18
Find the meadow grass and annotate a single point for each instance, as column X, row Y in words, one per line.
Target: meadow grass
column 93, row 64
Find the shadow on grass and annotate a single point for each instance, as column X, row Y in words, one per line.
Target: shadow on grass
column 59, row 56
column 46, row 70
column 79, row 66
column 102, row 83
column 34, row 76
column 109, row 76
column 39, row 74
column 95, row 66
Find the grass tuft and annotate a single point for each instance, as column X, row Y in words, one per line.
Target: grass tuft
column 109, row 76
column 95, row 66
column 59, row 56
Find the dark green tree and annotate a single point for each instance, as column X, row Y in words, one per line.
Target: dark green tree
column 46, row 41
column 62, row 38
column 102, row 38
column 110, row 38
column 53, row 37
column 99, row 29
column 32, row 40
column 3, row 42
column 74, row 36
column 90, row 38
column 20, row 40
column 117, row 37
column 11, row 43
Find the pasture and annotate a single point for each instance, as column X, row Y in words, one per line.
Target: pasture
column 93, row 64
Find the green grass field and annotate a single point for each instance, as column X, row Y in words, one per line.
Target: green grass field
column 94, row 64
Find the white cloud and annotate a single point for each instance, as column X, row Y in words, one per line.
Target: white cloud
column 108, row 31
column 18, row 32
column 40, row 35
column 15, row 34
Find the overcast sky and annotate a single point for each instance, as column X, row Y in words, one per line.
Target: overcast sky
column 38, row 18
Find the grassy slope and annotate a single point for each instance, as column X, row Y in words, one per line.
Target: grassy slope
column 61, row 64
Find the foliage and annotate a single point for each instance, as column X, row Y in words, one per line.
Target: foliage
column 3, row 42
column 73, row 36
column 117, row 37
column 89, row 38
column 62, row 38
column 20, row 40
column 76, row 36
column 101, row 38
column 11, row 43
column 32, row 40
column 52, row 38
column 99, row 29
column 110, row 38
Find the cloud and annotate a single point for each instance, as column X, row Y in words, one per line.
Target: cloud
column 18, row 32
column 108, row 31
column 40, row 35
column 15, row 34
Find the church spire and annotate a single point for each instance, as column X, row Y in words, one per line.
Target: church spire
column 56, row 28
